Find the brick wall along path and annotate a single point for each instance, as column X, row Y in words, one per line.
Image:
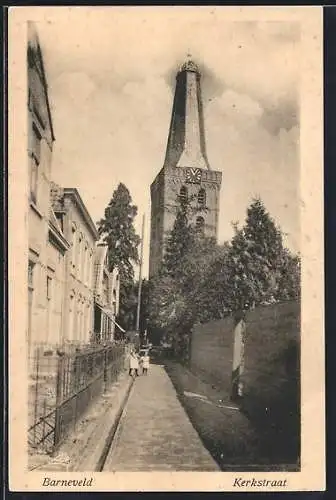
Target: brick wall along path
column 154, row 433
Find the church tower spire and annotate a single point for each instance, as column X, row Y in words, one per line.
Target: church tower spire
column 186, row 171
column 186, row 140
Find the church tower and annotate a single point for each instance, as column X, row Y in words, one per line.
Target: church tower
column 186, row 171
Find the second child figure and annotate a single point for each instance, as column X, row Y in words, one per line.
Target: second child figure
column 145, row 363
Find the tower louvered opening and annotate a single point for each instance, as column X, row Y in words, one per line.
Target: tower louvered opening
column 183, row 194
column 201, row 197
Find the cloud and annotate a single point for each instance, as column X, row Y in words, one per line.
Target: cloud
column 111, row 76
column 283, row 116
column 280, row 31
column 77, row 86
column 128, row 43
column 255, row 161
column 237, row 107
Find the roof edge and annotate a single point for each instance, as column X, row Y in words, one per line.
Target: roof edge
column 34, row 35
column 73, row 192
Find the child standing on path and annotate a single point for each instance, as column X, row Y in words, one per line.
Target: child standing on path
column 145, row 363
column 134, row 364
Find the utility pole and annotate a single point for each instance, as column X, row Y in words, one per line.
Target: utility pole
column 140, row 275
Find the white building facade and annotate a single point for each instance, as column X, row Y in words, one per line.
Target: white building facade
column 47, row 245
column 82, row 235
column 106, row 296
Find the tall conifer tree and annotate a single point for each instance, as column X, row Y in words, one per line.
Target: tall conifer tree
column 117, row 230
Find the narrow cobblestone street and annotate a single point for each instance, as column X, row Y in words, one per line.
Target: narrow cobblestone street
column 155, row 433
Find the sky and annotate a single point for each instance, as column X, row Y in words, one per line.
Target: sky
column 111, row 74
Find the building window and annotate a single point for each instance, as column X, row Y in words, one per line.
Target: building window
column 80, row 257
column 86, row 323
column 114, row 302
column 34, row 163
column 71, row 318
column 85, row 265
column 200, row 223
column 31, row 266
column 33, row 180
column 36, row 146
column 90, row 268
column 49, row 305
column 59, row 217
column 77, row 326
column 73, row 255
column 49, row 287
column 80, row 321
column 183, row 194
column 97, row 321
column 201, row 197
column 88, row 265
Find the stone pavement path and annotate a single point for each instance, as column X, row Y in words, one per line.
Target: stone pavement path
column 154, row 433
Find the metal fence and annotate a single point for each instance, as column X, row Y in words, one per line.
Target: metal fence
column 64, row 382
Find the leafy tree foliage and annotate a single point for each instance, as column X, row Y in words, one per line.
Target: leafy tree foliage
column 117, row 230
column 212, row 296
column 200, row 280
column 259, row 265
column 127, row 305
column 179, row 241
column 170, row 307
column 288, row 277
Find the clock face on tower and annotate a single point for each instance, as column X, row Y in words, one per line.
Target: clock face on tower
column 194, row 175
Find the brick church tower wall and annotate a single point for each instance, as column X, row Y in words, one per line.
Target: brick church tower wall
column 186, row 164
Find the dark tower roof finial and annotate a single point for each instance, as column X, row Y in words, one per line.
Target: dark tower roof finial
column 190, row 65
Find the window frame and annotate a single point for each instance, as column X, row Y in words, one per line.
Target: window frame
column 202, row 198
column 31, row 272
column 35, row 160
column 183, row 195
column 73, row 246
column 37, row 140
column 49, row 291
column 33, row 182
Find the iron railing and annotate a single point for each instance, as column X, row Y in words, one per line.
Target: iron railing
column 63, row 385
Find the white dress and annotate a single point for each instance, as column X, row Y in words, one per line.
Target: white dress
column 134, row 363
column 145, row 362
